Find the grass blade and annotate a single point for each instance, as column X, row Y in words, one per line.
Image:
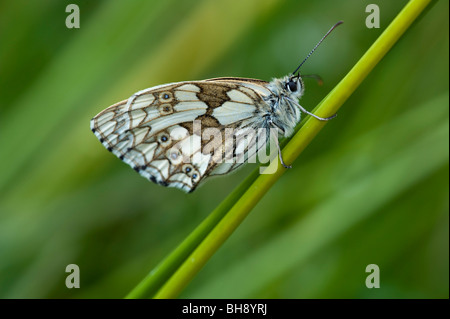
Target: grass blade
column 213, row 232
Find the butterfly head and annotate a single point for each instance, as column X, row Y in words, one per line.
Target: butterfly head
column 293, row 85
column 288, row 87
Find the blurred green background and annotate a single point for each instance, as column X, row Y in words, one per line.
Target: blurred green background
column 372, row 188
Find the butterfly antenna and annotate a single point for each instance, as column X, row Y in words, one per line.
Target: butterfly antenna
column 323, row 38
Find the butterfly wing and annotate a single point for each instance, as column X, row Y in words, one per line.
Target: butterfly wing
column 248, row 140
column 155, row 133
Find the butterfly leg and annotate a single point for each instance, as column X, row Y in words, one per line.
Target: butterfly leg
column 317, row 117
column 279, row 152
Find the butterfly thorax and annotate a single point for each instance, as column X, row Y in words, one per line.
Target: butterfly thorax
column 285, row 110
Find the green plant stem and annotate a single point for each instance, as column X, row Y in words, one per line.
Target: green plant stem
column 167, row 267
column 239, row 206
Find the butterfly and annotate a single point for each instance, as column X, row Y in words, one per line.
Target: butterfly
column 165, row 132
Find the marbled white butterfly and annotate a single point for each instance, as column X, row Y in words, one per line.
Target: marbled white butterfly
column 165, row 132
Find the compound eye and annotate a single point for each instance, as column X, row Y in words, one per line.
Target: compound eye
column 292, row 85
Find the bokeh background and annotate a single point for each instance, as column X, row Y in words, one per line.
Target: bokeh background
column 372, row 188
